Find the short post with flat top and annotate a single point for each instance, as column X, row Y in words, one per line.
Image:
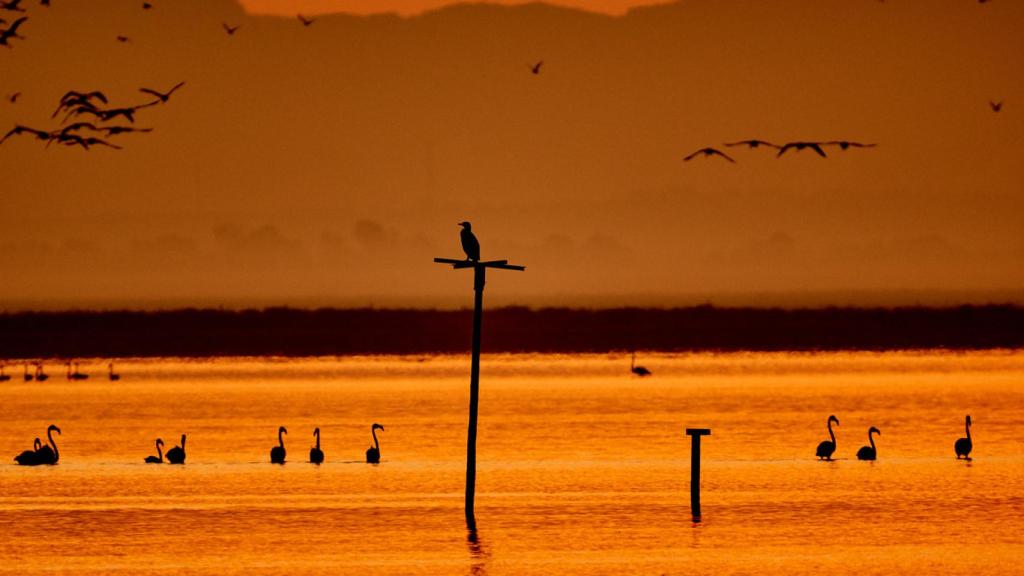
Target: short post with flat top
column 479, row 273
column 695, row 434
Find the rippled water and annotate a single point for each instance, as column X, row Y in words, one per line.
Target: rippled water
column 583, row 469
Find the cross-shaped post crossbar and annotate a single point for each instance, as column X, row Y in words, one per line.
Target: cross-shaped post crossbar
column 479, row 279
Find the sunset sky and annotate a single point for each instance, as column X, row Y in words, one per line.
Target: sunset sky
column 329, row 164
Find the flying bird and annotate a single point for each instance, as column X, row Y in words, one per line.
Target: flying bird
column 11, row 5
column 13, row 98
column 846, row 144
column 752, row 144
column 76, row 140
column 74, row 99
column 995, row 106
column 708, row 152
column 470, row 245
column 536, row 67
column 798, row 146
column 230, row 29
column 115, row 130
column 305, row 21
column 19, row 129
column 146, row 5
column 123, row 39
column 12, row 31
column 162, row 96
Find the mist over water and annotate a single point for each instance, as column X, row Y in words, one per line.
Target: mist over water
column 583, row 469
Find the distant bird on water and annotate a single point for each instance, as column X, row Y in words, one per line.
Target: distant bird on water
column 114, row 376
column 164, row 97
column 869, row 452
column 638, row 370
column 48, row 453
column 752, row 144
column 828, row 447
column 316, row 456
column 28, row 377
column 4, row 377
column 963, row 446
column 230, row 29
column 996, row 106
column 159, row 458
column 798, row 146
column 277, row 453
column 708, row 152
column 40, row 375
column 305, row 21
column 470, row 245
column 373, row 452
column 176, row 455
column 536, row 67
column 76, row 375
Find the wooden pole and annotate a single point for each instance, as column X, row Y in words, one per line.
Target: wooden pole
column 479, row 277
column 695, row 434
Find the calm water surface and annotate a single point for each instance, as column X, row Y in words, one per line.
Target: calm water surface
column 583, row 469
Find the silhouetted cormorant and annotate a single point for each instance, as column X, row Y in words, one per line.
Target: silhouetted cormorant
column 316, row 456
column 373, row 452
column 159, row 458
column 277, row 453
column 828, row 447
column 176, row 455
column 708, row 152
column 470, row 245
column 964, row 446
column 869, row 452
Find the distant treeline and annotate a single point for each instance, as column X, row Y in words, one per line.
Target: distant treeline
column 295, row 332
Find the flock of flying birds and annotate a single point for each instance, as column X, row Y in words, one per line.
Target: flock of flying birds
column 817, row 147
column 75, row 105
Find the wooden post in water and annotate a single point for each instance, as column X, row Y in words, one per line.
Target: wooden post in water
column 695, row 434
column 479, row 279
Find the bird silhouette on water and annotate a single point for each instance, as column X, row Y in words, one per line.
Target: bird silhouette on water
column 277, row 453
column 373, row 452
column 470, row 245
column 828, row 447
column 963, row 446
column 708, row 152
column 176, row 455
column 638, row 370
column 113, row 376
column 28, row 376
column 4, row 377
column 316, row 456
column 41, row 453
column 869, row 452
column 159, row 458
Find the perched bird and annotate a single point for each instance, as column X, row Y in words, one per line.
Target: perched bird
column 995, row 106
column 798, row 146
column 846, row 144
column 162, row 96
column 230, row 29
column 752, row 144
column 536, row 67
column 470, row 245
column 828, row 447
column 305, row 21
column 12, row 31
column 708, row 152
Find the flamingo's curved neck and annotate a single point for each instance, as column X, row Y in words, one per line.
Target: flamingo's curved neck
column 831, row 434
column 159, row 451
column 56, row 453
column 967, row 425
column 317, row 439
column 376, row 443
column 871, row 439
column 280, row 438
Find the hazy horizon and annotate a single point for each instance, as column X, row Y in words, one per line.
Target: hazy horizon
column 330, row 163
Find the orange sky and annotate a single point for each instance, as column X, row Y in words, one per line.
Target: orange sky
column 407, row 7
column 330, row 164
